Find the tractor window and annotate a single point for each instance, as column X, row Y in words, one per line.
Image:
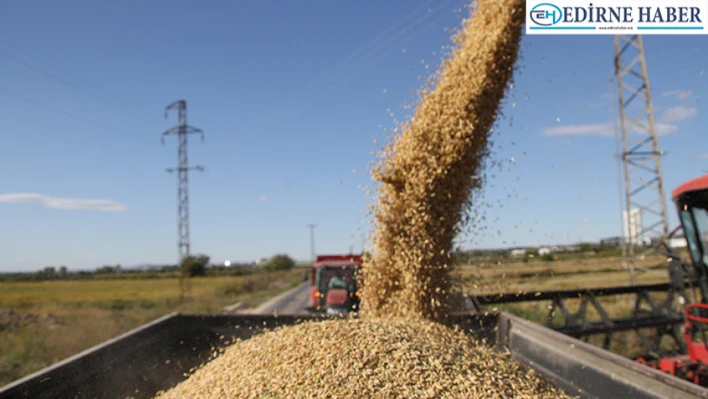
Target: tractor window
column 700, row 215
column 691, row 235
column 345, row 274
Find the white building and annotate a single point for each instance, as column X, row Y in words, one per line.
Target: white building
column 544, row 251
column 633, row 226
column 678, row 242
column 517, row 253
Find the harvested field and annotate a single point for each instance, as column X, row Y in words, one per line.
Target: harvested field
column 44, row 322
column 363, row 358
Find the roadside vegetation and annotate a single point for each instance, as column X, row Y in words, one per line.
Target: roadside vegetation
column 45, row 320
column 53, row 314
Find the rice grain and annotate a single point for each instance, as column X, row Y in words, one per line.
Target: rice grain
column 363, row 358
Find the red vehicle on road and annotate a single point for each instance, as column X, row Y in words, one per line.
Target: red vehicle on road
column 333, row 283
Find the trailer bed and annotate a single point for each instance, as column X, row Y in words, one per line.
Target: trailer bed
column 158, row 355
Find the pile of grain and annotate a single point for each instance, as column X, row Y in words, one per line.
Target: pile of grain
column 371, row 358
column 425, row 178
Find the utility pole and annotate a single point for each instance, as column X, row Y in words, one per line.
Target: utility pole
column 312, row 226
column 182, row 130
column 645, row 212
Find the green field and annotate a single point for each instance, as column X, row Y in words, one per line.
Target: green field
column 44, row 322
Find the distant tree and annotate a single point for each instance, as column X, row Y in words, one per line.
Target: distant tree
column 169, row 268
column 203, row 259
column 48, row 272
column 63, row 271
column 195, row 266
column 280, row 262
column 105, row 270
column 586, row 246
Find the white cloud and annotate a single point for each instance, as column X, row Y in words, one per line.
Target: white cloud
column 665, row 125
column 678, row 113
column 601, row 129
column 704, row 155
column 671, row 93
column 663, row 129
column 262, row 198
column 64, row 203
column 680, row 94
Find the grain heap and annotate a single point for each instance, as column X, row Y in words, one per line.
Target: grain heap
column 372, row 358
column 399, row 349
column 426, row 176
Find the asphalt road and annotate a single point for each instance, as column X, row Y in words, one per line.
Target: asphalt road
column 293, row 302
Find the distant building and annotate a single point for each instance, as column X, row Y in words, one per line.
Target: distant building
column 261, row 261
column 568, row 248
column 544, row 251
column 517, row 253
column 678, row 242
column 633, row 228
column 611, row 242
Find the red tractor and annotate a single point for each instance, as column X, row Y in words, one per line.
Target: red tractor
column 691, row 199
column 333, row 283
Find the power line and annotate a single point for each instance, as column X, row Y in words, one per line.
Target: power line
column 391, row 44
column 84, row 82
column 387, row 51
column 354, row 61
column 67, row 83
column 352, row 56
column 72, row 116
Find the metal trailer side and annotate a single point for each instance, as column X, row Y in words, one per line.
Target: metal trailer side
column 583, row 369
column 160, row 354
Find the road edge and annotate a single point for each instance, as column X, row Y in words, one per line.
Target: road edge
column 260, row 309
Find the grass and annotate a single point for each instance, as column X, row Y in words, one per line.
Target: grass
column 71, row 316
column 488, row 278
column 55, row 320
column 514, row 277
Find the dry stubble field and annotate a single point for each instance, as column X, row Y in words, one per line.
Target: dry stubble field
column 514, row 277
column 44, row 322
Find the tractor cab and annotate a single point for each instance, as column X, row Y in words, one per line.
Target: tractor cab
column 691, row 199
column 333, row 283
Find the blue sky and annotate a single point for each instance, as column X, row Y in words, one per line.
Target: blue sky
column 291, row 96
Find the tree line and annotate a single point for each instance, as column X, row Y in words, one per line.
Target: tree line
column 193, row 266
